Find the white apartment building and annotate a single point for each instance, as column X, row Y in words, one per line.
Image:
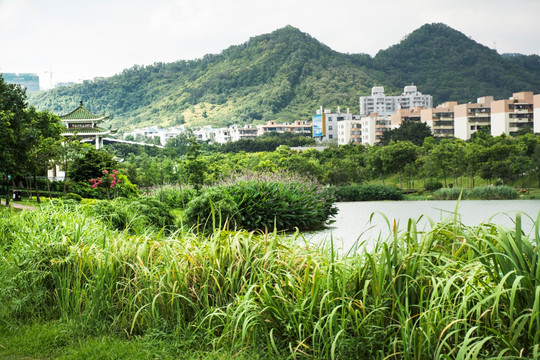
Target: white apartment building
column 325, row 123
column 469, row 118
column 222, row 135
column 164, row 135
column 245, row 132
column 384, row 105
column 510, row 116
column 298, row 127
column 350, row 131
column 205, row 133
column 373, row 126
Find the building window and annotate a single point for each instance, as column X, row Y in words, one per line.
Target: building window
column 330, row 136
column 330, row 127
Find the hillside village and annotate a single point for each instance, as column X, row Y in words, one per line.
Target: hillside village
column 379, row 113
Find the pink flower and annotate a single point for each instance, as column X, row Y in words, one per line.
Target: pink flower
column 105, row 172
column 93, row 186
column 92, row 181
column 118, row 181
column 99, row 181
column 113, row 182
column 112, row 185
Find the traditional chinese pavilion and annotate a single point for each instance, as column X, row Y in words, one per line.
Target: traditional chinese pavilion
column 85, row 125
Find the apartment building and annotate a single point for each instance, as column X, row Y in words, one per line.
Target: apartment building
column 511, row 115
column 243, row 133
column 471, row 117
column 404, row 115
column 440, row 119
column 325, row 124
column 350, row 131
column 298, row 127
column 205, row 133
column 222, row 135
column 384, row 105
column 536, row 113
column 373, row 127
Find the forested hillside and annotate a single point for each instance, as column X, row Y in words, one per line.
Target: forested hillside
column 286, row 75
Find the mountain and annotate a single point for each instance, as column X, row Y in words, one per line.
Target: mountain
column 286, row 75
column 450, row 66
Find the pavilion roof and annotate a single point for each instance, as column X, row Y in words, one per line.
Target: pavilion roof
column 82, row 113
column 94, row 130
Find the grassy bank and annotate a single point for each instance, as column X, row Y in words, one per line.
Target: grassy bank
column 73, row 283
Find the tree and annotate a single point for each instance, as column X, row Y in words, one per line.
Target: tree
column 13, row 132
column 195, row 167
column 90, row 164
column 412, row 131
column 396, row 156
column 445, row 156
column 44, row 143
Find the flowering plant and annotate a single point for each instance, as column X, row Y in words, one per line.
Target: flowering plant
column 108, row 181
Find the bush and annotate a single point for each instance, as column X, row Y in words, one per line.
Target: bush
column 215, row 206
column 175, row 198
column 72, row 196
column 433, row 185
column 477, row 193
column 125, row 189
column 135, row 214
column 258, row 201
column 366, row 193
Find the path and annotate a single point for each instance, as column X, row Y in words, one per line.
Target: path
column 18, row 205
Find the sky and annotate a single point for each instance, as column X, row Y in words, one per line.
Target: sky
column 71, row 40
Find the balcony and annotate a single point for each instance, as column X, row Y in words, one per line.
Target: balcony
column 481, row 119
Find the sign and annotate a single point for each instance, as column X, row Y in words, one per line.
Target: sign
column 319, row 125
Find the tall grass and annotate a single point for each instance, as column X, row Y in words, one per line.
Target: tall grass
column 453, row 292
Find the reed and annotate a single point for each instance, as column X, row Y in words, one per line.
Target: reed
column 453, row 292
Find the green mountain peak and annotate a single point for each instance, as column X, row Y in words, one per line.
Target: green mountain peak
column 286, row 75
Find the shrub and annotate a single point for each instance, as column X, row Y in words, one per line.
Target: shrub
column 72, row 196
column 433, row 185
column 136, row 214
column 266, row 200
column 366, row 193
column 449, row 194
column 175, row 198
column 214, row 206
column 477, row 193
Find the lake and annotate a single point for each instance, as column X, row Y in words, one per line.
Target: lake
column 366, row 220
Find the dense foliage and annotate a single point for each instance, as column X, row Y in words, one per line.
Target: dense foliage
column 263, row 201
column 478, row 193
column 439, row 294
column 29, row 139
column 484, row 160
column 366, row 193
column 286, row 75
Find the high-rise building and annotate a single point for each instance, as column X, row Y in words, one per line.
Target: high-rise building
column 511, row 115
column 350, row 131
column 471, row 117
column 373, row 127
column 325, row 123
column 384, row 105
column 440, row 119
column 28, row 81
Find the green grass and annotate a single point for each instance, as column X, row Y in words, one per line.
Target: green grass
column 81, row 289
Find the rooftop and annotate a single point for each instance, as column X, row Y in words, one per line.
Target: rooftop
column 82, row 113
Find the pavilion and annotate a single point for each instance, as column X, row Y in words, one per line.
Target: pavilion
column 85, row 126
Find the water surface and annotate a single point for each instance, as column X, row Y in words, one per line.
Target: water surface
column 369, row 221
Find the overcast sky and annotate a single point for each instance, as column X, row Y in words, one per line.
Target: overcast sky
column 83, row 39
